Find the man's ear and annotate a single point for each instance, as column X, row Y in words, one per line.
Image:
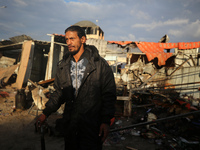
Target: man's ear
column 83, row 39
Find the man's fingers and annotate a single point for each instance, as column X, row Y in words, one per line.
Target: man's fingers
column 105, row 134
column 40, row 120
column 100, row 131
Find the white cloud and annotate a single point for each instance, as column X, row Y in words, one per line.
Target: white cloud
column 119, row 20
column 21, row 2
column 132, row 37
column 129, row 37
column 153, row 25
column 140, row 14
column 190, row 30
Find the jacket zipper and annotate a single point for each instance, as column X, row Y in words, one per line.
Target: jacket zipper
column 76, row 82
column 84, row 79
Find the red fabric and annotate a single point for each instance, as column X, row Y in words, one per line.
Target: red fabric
column 112, row 121
column 153, row 50
column 189, row 45
column 180, row 45
column 4, row 94
column 168, row 45
column 120, row 42
column 187, row 105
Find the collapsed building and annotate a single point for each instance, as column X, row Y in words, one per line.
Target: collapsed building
column 137, row 66
column 150, row 76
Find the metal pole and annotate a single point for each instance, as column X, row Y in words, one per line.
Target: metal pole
column 156, row 121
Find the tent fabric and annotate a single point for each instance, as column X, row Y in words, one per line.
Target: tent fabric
column 120, row 42
column 180, row 45
column 189, row 45
column 153, row 50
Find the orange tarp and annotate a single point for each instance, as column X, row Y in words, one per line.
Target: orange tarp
column 153, row 50
column 121, row 42
column 180, row 45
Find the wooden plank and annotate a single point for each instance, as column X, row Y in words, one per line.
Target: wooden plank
column 30, row 64
column 131, row 148
column 127, row 104
column 127, row 108
column 46, row 81
column 26, row 49
column 50, row 60
column 123, row 98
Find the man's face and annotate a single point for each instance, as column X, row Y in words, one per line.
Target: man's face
column 73, row 42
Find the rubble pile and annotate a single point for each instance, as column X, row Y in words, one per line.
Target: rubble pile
column 163, row 118
column 158, row 103
column 163, row 113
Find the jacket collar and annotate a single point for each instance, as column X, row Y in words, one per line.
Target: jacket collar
column 92, row 52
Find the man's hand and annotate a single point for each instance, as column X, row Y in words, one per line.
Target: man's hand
column 40, row 120
column 104, row 130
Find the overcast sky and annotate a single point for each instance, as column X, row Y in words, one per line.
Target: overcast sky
column 121, row 20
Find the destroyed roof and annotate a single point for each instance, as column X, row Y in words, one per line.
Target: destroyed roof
column 20, row 38
column 153, row 50
column 123, row 43
column 86, row 23
column 17, row 41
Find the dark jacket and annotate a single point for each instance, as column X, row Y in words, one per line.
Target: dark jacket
column 96, row 97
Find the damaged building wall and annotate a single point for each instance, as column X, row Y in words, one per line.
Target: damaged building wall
column 100, row 44
column 35, row 54
column 40, row 58
column 57, row 50
column 187, row 79
column 183, row 54
column 58, row 55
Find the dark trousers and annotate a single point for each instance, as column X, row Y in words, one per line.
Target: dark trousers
column 83, row 139
column 82, row 143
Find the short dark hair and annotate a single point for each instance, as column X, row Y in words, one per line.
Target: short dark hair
column 78, row 29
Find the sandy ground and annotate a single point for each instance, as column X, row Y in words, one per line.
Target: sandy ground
column 17, row 131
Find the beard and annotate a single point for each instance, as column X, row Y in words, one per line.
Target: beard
column 74, row 52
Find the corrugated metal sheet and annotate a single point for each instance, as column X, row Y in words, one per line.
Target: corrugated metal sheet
column 187, row 75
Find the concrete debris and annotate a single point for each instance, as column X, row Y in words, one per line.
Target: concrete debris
column 162, row 103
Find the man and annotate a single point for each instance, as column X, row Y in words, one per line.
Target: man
column 85, row 83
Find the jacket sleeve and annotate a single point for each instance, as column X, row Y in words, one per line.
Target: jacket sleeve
column 108, row 89
column 55, row 100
